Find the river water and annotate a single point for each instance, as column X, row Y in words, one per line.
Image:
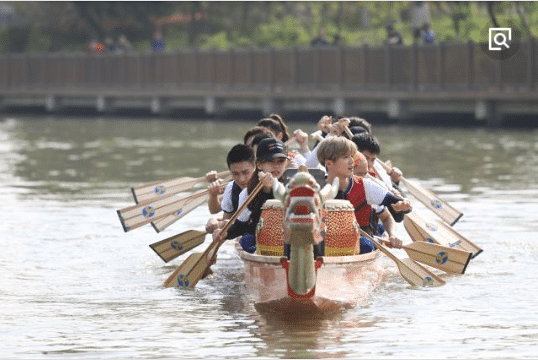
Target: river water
column 75, row 286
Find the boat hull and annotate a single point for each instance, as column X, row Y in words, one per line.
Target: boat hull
column 340, row 282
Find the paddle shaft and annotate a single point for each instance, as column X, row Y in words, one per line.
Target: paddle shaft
column 436, row 255
column 440, row 207
column 138, row 215
column 173, row 246
column 165, row 222
column 441, row 257
column 158, row 189
column 191, row 271
column 411, row 271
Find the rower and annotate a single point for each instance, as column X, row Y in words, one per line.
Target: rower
column 337, row 154
column 241, row 162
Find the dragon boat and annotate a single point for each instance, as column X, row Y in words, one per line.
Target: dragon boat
column 300, row 218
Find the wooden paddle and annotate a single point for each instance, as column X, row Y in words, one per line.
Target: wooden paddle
column 165, row 222
column 158, row 189
column 438, row 232
column 173, row 246
column 348, row 132
column 412, row 272
column 134, row 216
column 440, row 207
column 195, row 266
column 449, row 260
column 463, row 255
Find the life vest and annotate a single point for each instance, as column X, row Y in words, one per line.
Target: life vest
column 364, row 214
column 236, row 190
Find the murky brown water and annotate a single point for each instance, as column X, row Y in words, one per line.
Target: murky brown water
column 74, row 285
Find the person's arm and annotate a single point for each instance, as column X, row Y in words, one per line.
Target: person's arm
column 213, row 202
column 211, row 176
column 212, row 224
column 398, row 207
column 378, row 195
column 302, row 140
column 240, row 226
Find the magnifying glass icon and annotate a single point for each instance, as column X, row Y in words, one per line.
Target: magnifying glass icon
column 502, row 40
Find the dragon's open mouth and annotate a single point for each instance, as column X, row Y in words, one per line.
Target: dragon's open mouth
column 302, row 210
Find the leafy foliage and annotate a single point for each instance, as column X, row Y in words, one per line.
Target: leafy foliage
column 53, row 26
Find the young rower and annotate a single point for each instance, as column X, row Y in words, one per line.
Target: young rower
column 271, row 162
column 338, row 155
column 241, row 162
column 253, row 131
column 276, row 124
column 368, row 145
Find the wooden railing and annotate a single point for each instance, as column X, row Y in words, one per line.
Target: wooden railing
column 421, row 68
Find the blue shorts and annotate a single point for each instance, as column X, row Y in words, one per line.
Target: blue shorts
column 366, row 245
column 380, row 229
column 248, row 243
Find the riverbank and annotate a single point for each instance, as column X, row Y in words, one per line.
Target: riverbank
column 400, row 83
column 426, row 119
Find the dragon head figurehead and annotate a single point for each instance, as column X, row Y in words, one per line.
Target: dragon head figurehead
column 303, row 200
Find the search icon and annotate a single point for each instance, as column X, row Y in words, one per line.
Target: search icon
column 502, row 35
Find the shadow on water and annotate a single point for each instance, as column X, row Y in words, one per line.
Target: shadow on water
column 295, row 337
column 303, row 336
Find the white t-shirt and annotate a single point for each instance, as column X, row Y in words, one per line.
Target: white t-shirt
column 226, row 203
column 245, row 215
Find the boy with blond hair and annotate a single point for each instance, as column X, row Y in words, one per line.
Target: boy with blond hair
column 338, row 155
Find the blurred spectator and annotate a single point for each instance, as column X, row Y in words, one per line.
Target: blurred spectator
column 158, row 43
column 337, row 40
column 109, row 44
column 420, row 15
column 319, row 40
column 393, row 36
column 95, row 46
column 123, row 45
column 428, row 36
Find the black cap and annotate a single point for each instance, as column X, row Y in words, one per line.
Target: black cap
column 358, row 129
column 271, row 148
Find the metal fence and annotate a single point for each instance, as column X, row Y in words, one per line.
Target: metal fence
column 418, row 68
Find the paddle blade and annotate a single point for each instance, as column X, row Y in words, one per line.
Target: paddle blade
column 134, row 216
column 196, row 266
column 158, row 189
column 170, row 248
column 465, row 242
column 413, row 273
column 417, row 275
column 165, row 222
column 178, row 277
column 193, row 268
column 440, row 257
column 440, row 207
column 437, row 232
column 165, row 188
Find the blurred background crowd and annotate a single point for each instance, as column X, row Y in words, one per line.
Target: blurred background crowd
column 120, row 26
